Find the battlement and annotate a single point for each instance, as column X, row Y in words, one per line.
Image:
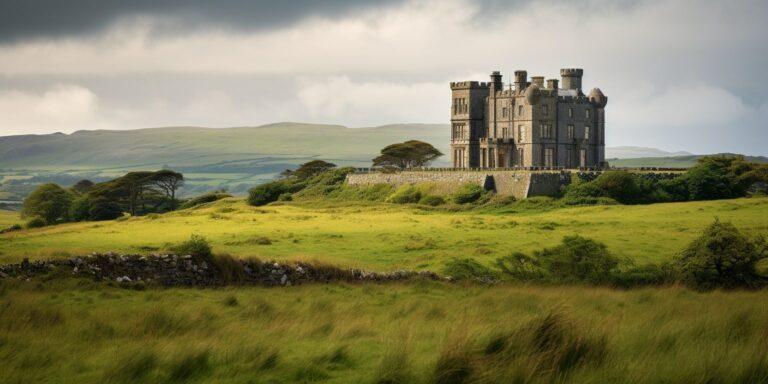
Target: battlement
column 469, row 84
column 572, row 72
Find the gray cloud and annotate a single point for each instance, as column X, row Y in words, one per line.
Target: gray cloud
column 44, row 19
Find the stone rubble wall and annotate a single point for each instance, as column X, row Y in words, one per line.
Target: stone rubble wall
column 188, row 271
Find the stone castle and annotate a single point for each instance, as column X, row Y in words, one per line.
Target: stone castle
column 529, row 124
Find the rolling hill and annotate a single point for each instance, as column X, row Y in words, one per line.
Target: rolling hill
column 232, row 159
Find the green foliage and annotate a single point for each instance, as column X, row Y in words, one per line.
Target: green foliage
column 197, row 246
column 204, row 198
column 79, row 210
column 36, row 222
column 309, row 169
column 49, row 202
column 468, row 269
column 520, row 266
column 432, row 200
column 578, row 259
column 326, row 184
column 721, row 177
column 468, row 193
column 407, row 194
column 83, row 186
column 267, row 193
column 410, row 154
column 644, row 275
column 102, row 208
column 722, row 257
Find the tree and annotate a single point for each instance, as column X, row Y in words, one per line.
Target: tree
column 312, row 168
column 102, row 208
column 410, row 154
column 720, row 177
column 83, row 186
column 49, row 202
column 168, row 181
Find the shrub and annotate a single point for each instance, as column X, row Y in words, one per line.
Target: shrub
column 36, row 222
column 79, row 210
column 650, row 274
column 15, row 227
column 466, row 269
column 197, row 246
column 231, row 269
column 578, row 259
column 285, row 197
column 270, row 192
column 468, row 193
column 619, row 185
column 722, row 257
column 205, row 198
column 431, row 200
column 520, row 266
column 405, row 195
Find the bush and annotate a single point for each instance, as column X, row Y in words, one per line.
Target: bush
column 197, row 246
column 36, row 222
column 468, row 269
column 405, row 195
column 15, row 227
column 651, row 274
column 722, row 257
column 270, row 192
column 520, row 266
column 468, row 193
column 432, row 200
column 579, row 259
column 205, row 198
column 285, row 197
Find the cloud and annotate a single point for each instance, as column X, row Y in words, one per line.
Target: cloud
column 63, row 108
column 52, row 19
column 339, row 99
column 673, row 79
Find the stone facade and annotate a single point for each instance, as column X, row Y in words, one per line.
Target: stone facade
column 528, row 124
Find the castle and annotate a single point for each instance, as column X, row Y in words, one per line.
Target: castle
column 528, row 125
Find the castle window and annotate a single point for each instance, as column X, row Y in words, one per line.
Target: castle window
column 545, row 109
column 570, row 112
column 520, row 133
column 569, row 132
column 504, row 112
column 546, row 131
column 505, row 132
column 586, row 113
column 586, row 133
column 466, row 108
column 549, row 154
column 519, row 110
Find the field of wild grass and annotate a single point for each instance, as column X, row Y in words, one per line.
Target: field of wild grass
column 380, row 236
column 423, row 331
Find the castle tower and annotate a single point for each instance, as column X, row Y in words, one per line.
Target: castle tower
column 467, row 121
column 572, row 78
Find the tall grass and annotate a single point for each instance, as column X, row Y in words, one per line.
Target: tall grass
column 418, row 332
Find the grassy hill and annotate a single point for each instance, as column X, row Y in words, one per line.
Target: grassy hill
column 383, row 236
column 234, row 159
column 685, row 161
column 418, row 332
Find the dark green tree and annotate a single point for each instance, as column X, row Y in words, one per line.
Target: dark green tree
column 312, row 168
column 49, row 202
column 169, row 182
column 579, row 259
column 410, row 154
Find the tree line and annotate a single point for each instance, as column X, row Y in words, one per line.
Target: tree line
column 137, row 193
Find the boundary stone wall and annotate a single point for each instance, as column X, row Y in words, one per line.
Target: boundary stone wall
column 518, row 183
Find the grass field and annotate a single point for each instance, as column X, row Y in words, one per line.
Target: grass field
column 59, row 331
column 8, row 218
column 387, row 236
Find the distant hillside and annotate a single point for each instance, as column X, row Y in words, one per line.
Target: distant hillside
column 233, row 159
column 638, row 152
column 673, row 161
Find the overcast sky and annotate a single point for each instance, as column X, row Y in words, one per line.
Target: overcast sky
column 680, row 75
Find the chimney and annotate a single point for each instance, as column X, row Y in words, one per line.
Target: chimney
column 572, row 78
column 496, row 80
column 538, row 81
column 521, row 80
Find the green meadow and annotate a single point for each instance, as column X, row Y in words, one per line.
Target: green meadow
column 380, row 236
column 55, row 330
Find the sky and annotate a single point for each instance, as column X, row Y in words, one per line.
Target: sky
column 686, row 75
